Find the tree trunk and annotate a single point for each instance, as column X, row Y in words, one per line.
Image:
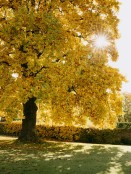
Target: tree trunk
column 29, row 123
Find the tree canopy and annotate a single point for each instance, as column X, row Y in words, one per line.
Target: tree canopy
column 47, row 51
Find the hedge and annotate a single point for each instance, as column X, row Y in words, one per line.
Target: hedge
column 73, row 134
column 124, row 125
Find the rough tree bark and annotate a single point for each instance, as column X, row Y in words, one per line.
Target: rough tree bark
column 28, row 132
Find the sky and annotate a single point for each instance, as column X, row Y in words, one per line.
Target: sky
column 124, row 43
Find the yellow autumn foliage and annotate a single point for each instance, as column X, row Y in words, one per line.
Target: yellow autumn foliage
column 42, row 42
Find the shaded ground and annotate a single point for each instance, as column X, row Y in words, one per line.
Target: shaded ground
column 63, row 158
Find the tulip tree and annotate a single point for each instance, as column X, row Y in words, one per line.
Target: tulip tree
column 49, row 54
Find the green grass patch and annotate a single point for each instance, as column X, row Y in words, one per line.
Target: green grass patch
column 63, row 158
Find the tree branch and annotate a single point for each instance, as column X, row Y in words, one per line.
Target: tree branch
column 29, row 74
column 37, row 72
column 5, row 62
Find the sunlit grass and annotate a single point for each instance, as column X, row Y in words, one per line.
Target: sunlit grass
column 63, row 157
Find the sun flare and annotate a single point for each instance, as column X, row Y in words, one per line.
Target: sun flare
column 100, row 41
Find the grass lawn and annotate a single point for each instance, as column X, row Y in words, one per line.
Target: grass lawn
column 63, row 158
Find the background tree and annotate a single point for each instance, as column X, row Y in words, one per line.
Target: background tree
column 48, row 53
column 126, row 108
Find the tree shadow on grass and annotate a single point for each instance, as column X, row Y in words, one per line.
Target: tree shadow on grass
column 65, row 158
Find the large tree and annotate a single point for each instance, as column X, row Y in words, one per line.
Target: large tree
column 48, row 53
